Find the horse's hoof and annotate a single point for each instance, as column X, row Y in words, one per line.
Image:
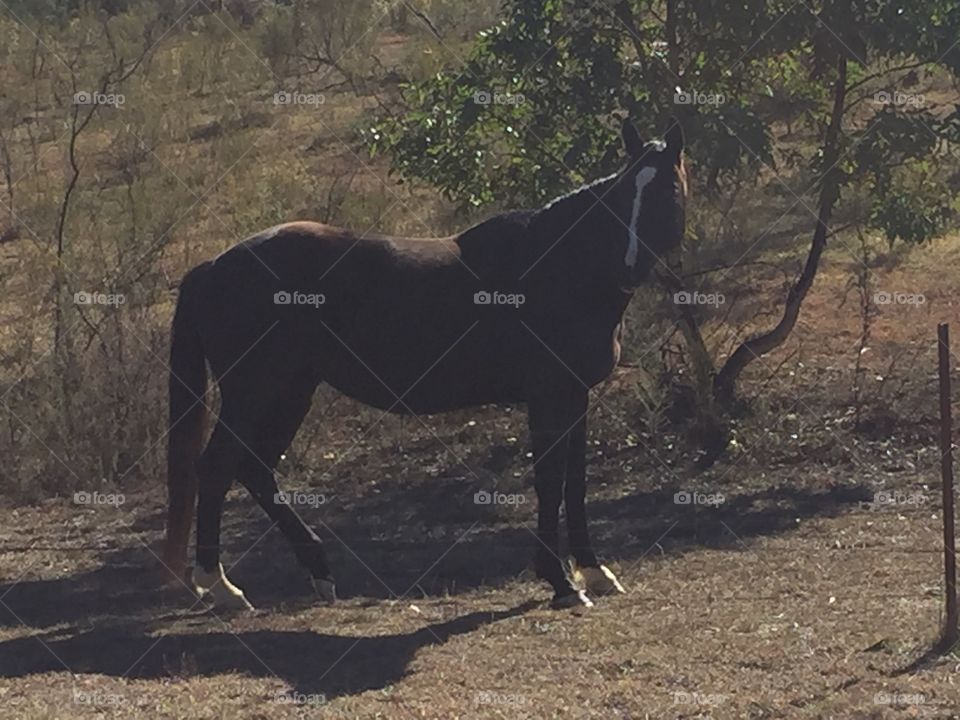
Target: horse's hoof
column 576, row 599
column 224, row 599
column 231, row 601
column 224, row 593
column 228, row 597
column 326, row 589
column 598, row 580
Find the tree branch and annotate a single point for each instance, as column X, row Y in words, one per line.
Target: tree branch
column 760, row 345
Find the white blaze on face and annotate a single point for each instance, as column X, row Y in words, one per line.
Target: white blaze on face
column 644, row 178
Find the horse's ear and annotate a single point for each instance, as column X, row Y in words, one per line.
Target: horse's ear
column 632, row 142
column 674, row 138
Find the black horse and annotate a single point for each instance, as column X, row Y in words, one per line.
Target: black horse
column 525, row 307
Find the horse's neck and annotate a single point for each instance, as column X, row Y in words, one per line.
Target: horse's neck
column 573, row 242
column 583, row 212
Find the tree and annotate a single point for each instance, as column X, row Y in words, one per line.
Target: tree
column 532, row 112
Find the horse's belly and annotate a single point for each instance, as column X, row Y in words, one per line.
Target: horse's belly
column 422, row 400
column 419, row 397
column 427, row 376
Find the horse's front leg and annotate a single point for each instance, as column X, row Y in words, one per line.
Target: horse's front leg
column 597, row 578
column 551, row 417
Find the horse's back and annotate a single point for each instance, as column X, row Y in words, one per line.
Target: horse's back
column 379, row 318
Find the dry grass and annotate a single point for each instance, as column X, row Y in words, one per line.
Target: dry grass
column 818, row 620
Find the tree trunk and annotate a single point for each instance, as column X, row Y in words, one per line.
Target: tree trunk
column 759, row 345
column 673, row 45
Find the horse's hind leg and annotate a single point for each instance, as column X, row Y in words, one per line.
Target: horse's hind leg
column 255, row 427
column 280, row 418
column 215, row 469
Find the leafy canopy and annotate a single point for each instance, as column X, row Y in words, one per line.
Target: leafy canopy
column 532, row 109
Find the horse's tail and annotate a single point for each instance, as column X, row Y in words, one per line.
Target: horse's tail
column 188, row 419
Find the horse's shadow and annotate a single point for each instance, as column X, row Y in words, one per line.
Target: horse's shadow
column 491, row 553
column 312, row 663
column 104, row 619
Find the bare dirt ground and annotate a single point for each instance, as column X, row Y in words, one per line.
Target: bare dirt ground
column 812, row 591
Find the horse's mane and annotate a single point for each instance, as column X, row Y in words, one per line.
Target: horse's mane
column 568, row 209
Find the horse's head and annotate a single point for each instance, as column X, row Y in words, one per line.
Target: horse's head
column 651, row 194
